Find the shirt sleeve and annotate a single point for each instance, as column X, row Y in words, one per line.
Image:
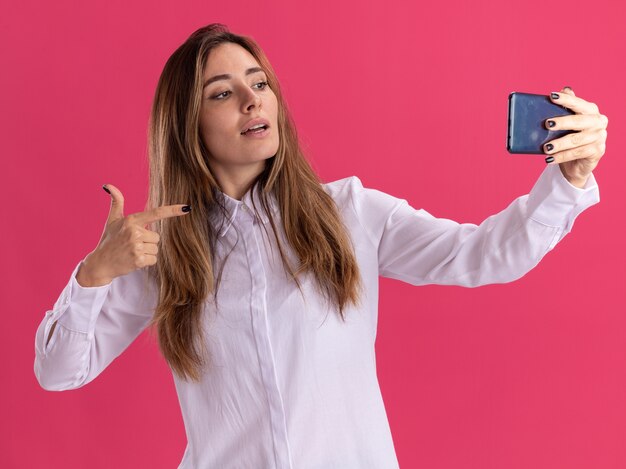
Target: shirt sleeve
column 94, row 326
column 417, row 248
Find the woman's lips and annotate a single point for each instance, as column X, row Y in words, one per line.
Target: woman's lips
column 253, row 122
column 257, row 133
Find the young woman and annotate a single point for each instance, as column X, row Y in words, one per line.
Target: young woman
column 263, row 286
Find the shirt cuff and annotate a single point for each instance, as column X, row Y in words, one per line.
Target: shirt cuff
column 553, row 201
column 78, row 307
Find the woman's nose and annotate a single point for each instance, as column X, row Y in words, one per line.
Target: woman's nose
column 252, row 100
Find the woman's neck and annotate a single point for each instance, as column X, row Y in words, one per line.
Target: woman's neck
column 235, row 181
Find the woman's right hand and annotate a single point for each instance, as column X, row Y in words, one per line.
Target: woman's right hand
column 125, row 244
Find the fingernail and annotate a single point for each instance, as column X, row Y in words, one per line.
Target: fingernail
column 568, row 87
column 107, row 190
column 551, row 123
column 549, row 147
column 549, row 159
column 186, row 208
column 554, row 95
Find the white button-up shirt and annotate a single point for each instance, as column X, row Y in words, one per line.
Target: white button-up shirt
column 290, row 385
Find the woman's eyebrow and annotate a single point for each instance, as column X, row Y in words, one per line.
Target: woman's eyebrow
column 227, row 76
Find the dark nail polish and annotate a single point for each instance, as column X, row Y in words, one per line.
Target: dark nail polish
column 549, row 159
column 554, row 95
column 551, row 123
column 107, row 190
column 186, row 208
column 549, row 147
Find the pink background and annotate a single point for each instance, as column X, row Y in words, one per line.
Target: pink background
column 410, row 97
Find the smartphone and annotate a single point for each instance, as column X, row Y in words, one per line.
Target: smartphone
column 527, row 116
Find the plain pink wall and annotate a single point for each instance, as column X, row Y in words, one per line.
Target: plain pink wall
column 410, row 97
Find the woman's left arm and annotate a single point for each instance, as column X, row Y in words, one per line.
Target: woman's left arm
column 577, row 154
column 418, row 248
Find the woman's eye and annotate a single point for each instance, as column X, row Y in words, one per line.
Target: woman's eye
column 217, row 96
column 220, row 95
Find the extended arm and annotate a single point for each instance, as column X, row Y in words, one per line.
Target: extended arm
column 415, row 247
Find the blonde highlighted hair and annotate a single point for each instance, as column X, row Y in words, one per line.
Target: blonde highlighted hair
column 185, row 272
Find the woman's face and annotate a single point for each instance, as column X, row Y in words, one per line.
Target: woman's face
column 229, row 103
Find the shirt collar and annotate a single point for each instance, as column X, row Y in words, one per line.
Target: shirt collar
column 233, row 206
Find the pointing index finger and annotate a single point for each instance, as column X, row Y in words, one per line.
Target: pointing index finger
column 159, row 213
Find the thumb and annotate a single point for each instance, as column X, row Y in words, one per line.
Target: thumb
column 117, row 203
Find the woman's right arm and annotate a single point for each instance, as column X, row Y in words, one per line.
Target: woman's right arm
column 93, row 321
column 88, row 327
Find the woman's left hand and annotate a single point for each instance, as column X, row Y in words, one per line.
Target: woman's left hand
column 577, row 153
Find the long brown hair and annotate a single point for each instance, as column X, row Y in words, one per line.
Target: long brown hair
column 179, row 173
